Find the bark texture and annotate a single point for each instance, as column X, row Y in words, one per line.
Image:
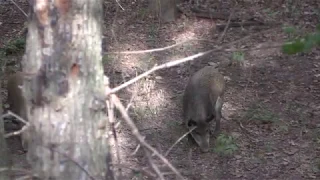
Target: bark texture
column 5, row 161
column 65, row 92
column 166, row 10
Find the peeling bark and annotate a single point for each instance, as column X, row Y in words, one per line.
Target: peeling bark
column 65, row 93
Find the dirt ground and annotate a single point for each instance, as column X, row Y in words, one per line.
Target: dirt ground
column 272, row 101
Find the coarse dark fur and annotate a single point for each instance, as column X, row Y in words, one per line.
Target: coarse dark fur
column 16, row 99
column 202, row 102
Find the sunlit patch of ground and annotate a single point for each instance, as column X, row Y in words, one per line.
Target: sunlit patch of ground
column 271, row 102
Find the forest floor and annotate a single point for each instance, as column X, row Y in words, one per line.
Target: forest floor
column 271, row 128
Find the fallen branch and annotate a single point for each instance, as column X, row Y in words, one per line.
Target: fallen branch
column 168, row 151
column 136, row 133
column 153, row 165
column 149, row 50
column 171, row 46
column 119, row 5
column 23, row 129
column 180, row 61
column 211, row 15
column 15, row 133
column 29, row 173
column 134, row 94
column 135, row 170
column 247, row 23
column 25, row 14
column 156, row 68
column 226, row 27
column 110, row 110
column 10, row 113
column 137, row 148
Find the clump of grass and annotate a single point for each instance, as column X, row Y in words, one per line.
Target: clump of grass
column 261, row 114
column 106, row 59
column 225, row 145
column 14, row 46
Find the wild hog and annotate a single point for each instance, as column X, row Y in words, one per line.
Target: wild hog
column 202, row 102
column 16, row 99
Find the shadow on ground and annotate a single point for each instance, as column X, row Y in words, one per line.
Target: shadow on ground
column 271, row 102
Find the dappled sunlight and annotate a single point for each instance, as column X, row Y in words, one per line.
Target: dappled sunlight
column 150, row 99
column 156, row 106
column 195, row 30
column 271, row 102
column 147, row 110
column 184, row 36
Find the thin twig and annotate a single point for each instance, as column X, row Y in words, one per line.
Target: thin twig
column 227, row 26
column 27, row 177
column 149, row 50
column 137, row 148
column 184, row 135
column 249, row 36
column 135, row 93
column 110, row 109
column 174, row 45
column 190, row 161
column 135, row 170
column 72, row 160
column 153, row 166
column 136, row 133
column 131, row 99
column 180, row 61
column 23, row 129
column 156, row 68
column 190, row 58
column 10, row 113
column 29, row 173
column 15, row 133
column 119, row 5
column 25, row 14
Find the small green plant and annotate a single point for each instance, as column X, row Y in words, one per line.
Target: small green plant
column 153, row 32
column 268, row 147
column 106, row 59
column 13, row 47
column 295, row 110
column 142, row 13
column 316, row 166
column 238, row 56
column 261, row 114
column 271, row 13
column 298, row 44
column 146, row 62
column 140, row 112
column 316, row 137
column 225, row 145
column 284, row 128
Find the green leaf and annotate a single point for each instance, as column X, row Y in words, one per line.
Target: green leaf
column 225, row 145
column 294, row 47
column 317, row 38
column 238, row 56
column 318, row 27
column 310, row 41
column 289, row 30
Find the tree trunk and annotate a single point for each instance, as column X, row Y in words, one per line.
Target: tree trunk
column 5, row 161
column 166, row 10
column 67, row 137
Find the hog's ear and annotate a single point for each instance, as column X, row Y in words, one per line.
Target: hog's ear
column 210, row 118
column 192, row 123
